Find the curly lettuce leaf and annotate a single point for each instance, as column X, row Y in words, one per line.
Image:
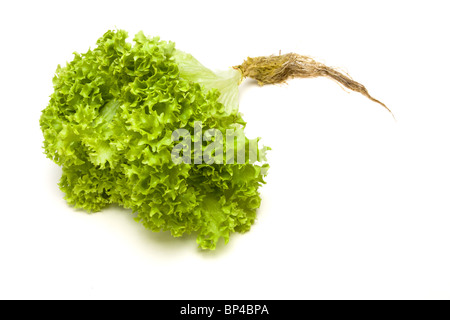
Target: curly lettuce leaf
column 226, row 81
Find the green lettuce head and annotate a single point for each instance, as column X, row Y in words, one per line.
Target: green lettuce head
column 148, row 127
column 110, row 125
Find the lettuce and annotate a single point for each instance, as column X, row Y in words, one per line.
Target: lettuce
column 109, row 125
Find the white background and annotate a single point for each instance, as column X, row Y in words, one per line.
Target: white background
column 356, row 205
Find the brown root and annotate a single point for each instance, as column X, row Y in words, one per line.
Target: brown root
column 278, row 69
